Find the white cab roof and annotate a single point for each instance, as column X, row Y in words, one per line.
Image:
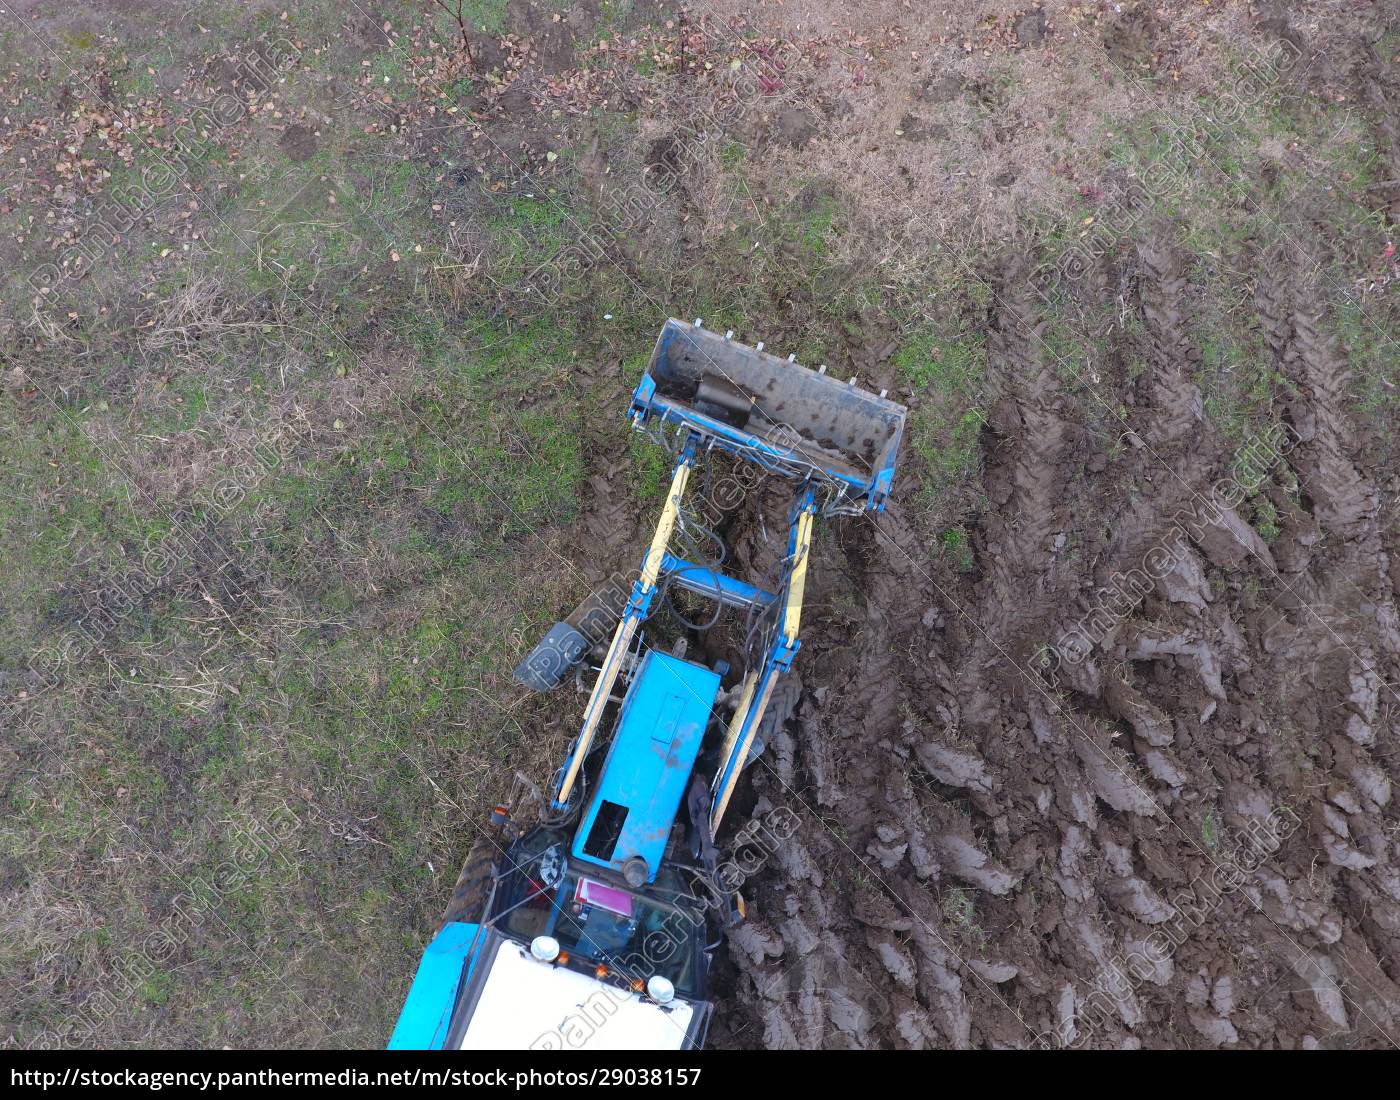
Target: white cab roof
column 529, row 1005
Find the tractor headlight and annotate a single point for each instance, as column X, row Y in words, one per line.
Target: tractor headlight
column 545, row 948
column 660, row 989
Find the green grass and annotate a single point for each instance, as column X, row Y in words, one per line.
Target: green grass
column 947, row 370
column 652, row 469
column 815, row 228
column 732, row 154
column 362, row 731
column 60, row 504
column 1238, row 381
column 1210, row 830
column 955, row 545
column 960, row 909
column 1375, row 366
column 481, row 15
column 1264, row 518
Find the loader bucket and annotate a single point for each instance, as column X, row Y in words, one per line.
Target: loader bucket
column 791, row 420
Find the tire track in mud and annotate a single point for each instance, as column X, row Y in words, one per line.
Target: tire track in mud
column 1332, row 643
column 1380, row 91
column 900, row 798
column 611, row 520
column 1215, row 649
column 1171, row 353
column 1024, row 477
column 1164, row 538
column 1087, row 800
column 1149, row 641
column 1186, row 635
column 1024, row 876
column 1336, row 492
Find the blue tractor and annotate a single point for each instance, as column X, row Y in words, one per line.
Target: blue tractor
column 594, row 927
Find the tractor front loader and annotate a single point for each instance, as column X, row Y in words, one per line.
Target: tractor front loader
column 594, row 927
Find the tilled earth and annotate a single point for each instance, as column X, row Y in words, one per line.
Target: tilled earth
column 1174, row 826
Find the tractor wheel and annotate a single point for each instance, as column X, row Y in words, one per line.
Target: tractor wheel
column 782, row 703
column 473, row 888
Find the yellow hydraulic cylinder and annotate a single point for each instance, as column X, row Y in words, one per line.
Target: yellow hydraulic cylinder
column 722, row 801
column 626, row 630
column 792, row 623
column 736, row 723
column 797, row 583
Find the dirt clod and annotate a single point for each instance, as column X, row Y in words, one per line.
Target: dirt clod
column 298, row 142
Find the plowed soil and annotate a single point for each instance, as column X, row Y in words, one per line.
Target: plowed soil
column 1071, row 856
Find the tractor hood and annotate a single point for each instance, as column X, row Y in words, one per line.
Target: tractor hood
column 649, row 764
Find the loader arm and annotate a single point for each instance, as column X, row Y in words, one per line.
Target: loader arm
column 759, row 683
column 715, row 393
column 758, row 687
column 637, row 609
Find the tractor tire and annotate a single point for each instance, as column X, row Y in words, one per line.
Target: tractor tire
column 782, row 704
column 473, row 889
